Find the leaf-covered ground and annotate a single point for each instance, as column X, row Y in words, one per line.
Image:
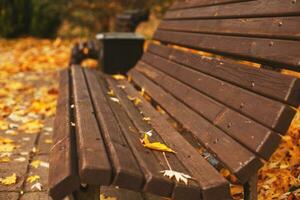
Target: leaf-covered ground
column 28, row 93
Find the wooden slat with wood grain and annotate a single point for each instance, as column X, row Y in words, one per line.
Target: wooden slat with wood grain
column 284, row 53
column 126, row 170
column 63, row 177
column 91, row 170
column 275, row 27
column 201, row 3
column 258, row 8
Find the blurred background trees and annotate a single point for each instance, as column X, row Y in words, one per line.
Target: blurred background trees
column 68, row 18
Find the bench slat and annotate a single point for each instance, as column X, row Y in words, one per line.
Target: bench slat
column 275, row 27
column 185, row 152
column 63, row 175
column 259, row 8
column 283, row 53
column 197, row 3
column 192, row 190
column 90, row 143
column 265, row 82
column 223, row 146
column 270, row 113
column 126, row 170
column 256, row 137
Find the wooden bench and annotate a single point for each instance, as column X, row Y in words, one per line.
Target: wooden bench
column 196, row 93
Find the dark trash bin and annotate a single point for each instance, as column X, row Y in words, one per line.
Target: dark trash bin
column 119, row 52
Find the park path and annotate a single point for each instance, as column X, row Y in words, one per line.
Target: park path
column 28, row 92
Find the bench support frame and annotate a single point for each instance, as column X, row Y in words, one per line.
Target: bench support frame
column 250, row 188
column 89, row 192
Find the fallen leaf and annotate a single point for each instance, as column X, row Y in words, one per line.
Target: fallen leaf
column 111, row 92
column 155, row 145
column 35, row 163
column 37, row 186
column 114, row 99
column 20, row 159
column 104, row 197
column 48, row 141
column 31, row 127
column 179, row 176
column 33, row 178
column 119, row 77
column 146, row 119
column 9, row 180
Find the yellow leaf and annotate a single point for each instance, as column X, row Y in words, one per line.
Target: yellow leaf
column 31, row 127
column 104, row 197
column 9, row 180
column 36, row 163
column 33, row 178
column 155, row 145
column 111, row 92
column 48, row 141
column 146, row 119
column 3, row 125
column 4, row 159
column 135, row 100
column 118, row 77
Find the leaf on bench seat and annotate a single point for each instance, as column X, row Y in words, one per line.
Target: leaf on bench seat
column 155, row 145
column 114, row 99
column 118, row 77
column 179, row 176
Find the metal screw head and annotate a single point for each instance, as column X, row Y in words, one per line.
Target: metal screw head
column 294, row 1
column 280, row 23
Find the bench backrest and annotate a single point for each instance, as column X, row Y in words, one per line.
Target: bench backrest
column 199, row 72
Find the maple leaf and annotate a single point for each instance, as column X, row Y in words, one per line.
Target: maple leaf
column 179, row 176
column 155, row 145
column 33, row 178
column 9, row 180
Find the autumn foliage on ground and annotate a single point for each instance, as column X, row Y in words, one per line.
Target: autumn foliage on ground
column 29, row 88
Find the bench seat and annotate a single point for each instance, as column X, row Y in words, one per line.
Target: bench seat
column 204, row 88
column 109, row 118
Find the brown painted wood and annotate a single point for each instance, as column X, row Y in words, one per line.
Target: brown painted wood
column 283, row 53
column 147, row 159
column 116, row 193
column 223, row 146
column 272, row 114
column 178, row 189
column 214, row 187
column 274, row 85
column 63, row 175
column 257, row 138
column 126, row 170
column 90, row 143
column 275, row 27
column 259, row 8
column 201, row 3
